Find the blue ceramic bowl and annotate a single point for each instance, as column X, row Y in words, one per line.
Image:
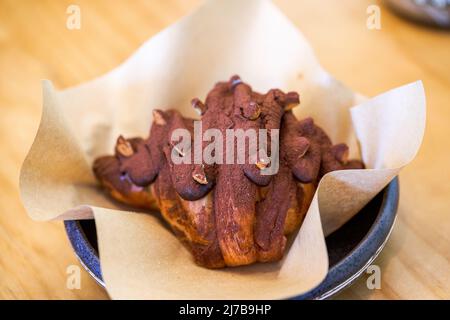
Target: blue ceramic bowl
column 351, row 249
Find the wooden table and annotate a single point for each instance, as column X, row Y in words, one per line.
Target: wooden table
column 35, row 44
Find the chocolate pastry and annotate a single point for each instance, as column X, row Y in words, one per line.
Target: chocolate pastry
column 228, row 213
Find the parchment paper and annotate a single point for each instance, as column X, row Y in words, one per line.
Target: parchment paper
column 139, row 257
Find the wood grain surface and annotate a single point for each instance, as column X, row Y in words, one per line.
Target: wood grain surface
column 35, row 44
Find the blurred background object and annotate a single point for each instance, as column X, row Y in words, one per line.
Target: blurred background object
column 433, row 12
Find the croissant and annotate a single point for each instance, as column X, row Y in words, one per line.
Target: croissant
column 227, row 213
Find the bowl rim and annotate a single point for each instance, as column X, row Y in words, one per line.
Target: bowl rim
column 84, row 251
column 364, row 253
column 339, row 276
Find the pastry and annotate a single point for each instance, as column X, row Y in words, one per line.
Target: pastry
column 227, row 213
